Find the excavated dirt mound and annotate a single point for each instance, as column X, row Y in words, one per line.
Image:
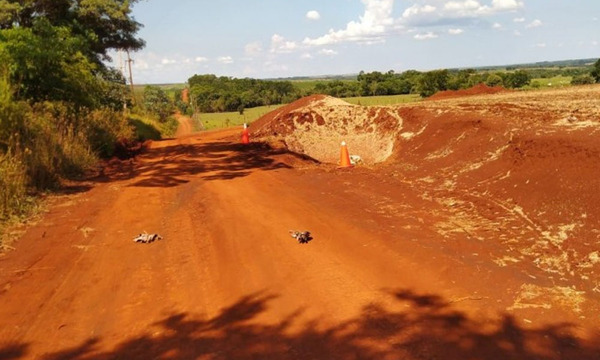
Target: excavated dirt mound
column 519, row 169
column 480, row 89
column 316, row 126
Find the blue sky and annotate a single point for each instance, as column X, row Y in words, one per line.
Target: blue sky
column 284, row 38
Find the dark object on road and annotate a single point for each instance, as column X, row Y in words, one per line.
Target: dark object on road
column 147, row 238
column 303, row 237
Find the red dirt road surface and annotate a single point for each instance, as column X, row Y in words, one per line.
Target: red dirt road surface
column 471, row 231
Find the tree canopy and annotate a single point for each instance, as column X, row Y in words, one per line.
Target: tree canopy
column 210, row 93
column 105, row 24
column 596, row 71
column 53, row 50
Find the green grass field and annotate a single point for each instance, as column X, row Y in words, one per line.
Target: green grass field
column 557, row 81
column 229, row 119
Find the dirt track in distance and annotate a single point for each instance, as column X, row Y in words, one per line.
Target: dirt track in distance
column 378, row 281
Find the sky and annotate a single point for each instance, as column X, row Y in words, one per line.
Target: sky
column 266, row 39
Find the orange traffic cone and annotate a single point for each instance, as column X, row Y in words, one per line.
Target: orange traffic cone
column 344, row 157
column 245, row 135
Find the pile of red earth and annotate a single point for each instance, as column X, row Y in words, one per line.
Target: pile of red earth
column 518, row 168
column 480, row 89
column 316, row 125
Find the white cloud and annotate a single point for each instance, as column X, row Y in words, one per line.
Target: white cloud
column 517, row 33
column 455, row 31
column 253, row 48
column 313, row 15
column 168, row 61
column 497, row 26
column 328, row 52
column 306, row 56
column 455, row 11
column 519, row 20
column 417, row 10
column 426, row 36
column 463, row 6
column 225, row 59
column 540, row 45
column 594, row 43
column 200, row 59
column 535, row 23
column 280, row 45
column 507, row 4
column 371, row 27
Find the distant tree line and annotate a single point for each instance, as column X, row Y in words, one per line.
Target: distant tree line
column 210, row 93
column 422, row 83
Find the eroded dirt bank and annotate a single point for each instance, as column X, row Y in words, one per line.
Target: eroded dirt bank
column 453, row 248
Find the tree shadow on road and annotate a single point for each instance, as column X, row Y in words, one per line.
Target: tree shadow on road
column 178, row 164
column 427, row 327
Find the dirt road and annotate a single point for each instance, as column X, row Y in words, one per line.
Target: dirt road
column 228, row 282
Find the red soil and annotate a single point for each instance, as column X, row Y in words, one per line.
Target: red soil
column 480, row 89
column 477, row 238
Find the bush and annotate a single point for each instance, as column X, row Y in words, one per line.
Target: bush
column 596, row 71
column 583, row 80
column 517, row 79
column 493, row 80
column 13, row 186
column 105, row 128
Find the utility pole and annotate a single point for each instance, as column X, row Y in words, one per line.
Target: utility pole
column 129, row 61
column 123, row 72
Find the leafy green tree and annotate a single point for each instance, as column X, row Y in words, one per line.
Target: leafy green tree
column 596, row 71
column 460, row 79
column 105, row 24
column 493, row 80
column 517, row 79
column 215, row 94
column 157, row 102
column 47, row 64
column 55, row 49
column 432, row 82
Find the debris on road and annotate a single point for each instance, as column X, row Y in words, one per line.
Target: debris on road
column 303, row 237
column 147, row 238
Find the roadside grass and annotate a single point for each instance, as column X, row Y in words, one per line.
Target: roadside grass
column 147, row 128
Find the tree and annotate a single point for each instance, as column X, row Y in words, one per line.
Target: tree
column 432, row 82
column 157, row 102
column 517, row 79
column 54, row 48
column 596, row 71
column 493, row 80
column 105, row 24
column 460, row 79
column 47, row 63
